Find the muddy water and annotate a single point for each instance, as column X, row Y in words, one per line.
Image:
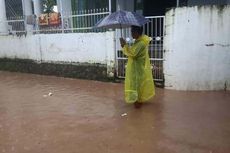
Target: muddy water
column 83, row 116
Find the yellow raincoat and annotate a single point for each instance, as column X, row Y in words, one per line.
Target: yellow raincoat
column 138, row 80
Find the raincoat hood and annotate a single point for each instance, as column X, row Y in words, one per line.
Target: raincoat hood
column 146, row 39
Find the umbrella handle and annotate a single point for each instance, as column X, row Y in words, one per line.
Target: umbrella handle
column 121, row 29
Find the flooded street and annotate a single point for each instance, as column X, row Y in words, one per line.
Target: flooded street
column 46, row 114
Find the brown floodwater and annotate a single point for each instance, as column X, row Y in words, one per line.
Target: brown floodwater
column 46, row 114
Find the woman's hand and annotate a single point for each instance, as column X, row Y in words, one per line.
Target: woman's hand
column 122, row 42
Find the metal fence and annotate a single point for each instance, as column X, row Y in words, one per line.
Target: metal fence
column 70, row 22
column 155, row 30
column 84, row 20
column 14, row 25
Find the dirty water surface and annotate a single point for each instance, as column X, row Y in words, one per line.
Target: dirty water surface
column 61, row 115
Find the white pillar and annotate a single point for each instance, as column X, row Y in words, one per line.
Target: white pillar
column 27, row 9
column 37, row 7
column 3, row 24
column 110, row 6
column 37, row 11
column 59, row 5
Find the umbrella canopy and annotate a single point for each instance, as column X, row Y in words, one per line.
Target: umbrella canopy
column 122, row 19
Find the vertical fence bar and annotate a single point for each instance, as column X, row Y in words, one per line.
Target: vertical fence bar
column 91, row 19
column 110, row 7
column 156, row 49
column 77, row 20
column 88, row 21
column 160, row 41
column 151, row 35
column 81, row 21
column 84, row 20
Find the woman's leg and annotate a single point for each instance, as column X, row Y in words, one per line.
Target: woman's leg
column 137, row 104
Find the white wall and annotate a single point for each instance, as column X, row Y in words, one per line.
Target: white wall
column 207, row 2
column 81, row 47
column 19, row 47
column 197, row 45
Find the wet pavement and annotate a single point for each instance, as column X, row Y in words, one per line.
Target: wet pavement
column 45, row 114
